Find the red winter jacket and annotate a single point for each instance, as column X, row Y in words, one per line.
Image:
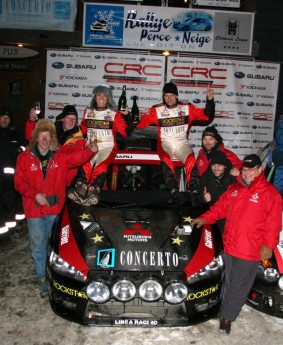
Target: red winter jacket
column 29, row 180
column 253, row 218
column 202, row 160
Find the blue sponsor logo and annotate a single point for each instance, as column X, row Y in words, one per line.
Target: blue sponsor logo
column 217, row 63
column 239, row 113
column 52, row 85
column 142, row 59
column 214, row 125
column 196, row 100
column 193, row 145
column 174, row 61
column 250, row 104
column 58, row 65
column 240, row 75
column 76, row 94
column 51, row 117
column 254, row 141
column 230, row 93
column 62, row 10
column 53, row 54
column 235, row 146
column 97, row 57
column 236, row 132
column 254, row 126
column 259, row 66
column 193, row 130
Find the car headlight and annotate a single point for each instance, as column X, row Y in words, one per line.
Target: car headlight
column 62, row 267
column 280, row 283
column 213, row 269
column 176, row 292
column 150, row 290
column 124, row 290
column 271, row 274
column 98, row 292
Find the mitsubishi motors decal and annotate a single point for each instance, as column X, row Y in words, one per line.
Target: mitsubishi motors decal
column 175, row 29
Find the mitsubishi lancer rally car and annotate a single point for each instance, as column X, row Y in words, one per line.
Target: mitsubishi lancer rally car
column 133, row 259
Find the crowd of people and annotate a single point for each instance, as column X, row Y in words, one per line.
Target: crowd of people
column 68, row 159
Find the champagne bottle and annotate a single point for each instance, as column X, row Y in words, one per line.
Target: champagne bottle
column 135, row 111
column 122, row 104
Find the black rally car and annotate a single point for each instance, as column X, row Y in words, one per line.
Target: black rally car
column 133, row 259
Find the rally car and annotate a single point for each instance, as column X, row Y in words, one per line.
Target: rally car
column 133, row 259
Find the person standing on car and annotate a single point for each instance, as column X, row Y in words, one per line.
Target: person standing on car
column 211, row 142
column 41, row 177
column 173, row 120
column 11, row 143
column 100, row 123
column 253, row 211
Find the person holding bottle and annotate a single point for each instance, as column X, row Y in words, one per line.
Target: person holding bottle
column 100, row 123
column 173, row 120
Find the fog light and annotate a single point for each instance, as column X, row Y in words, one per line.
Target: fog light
column 150, row 290
column 98, row 292
column 280, row 283
column 124, row 290
column 176, row 293
column 271, row 274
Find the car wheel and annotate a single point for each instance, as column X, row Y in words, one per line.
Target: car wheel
column 207, row 28
column 186, row 28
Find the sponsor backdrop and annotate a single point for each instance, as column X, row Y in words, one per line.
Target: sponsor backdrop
column 38, row 14
column 174, row 29
column 245, row 91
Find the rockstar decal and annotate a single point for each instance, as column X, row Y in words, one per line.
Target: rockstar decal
column 188, row 219
column 84, row 216
column 97, row 238
column 176, row 240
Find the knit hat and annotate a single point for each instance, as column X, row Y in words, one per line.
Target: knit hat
column 6, row 112
column 212, row 132
column 251, row 161
column 170, row 88
column 106, row 90
column 219, row 157
column 68, row 110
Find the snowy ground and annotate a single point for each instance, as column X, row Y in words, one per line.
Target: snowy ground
column 26, row 319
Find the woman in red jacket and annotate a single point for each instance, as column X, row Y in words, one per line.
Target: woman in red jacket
column 41, row 178
column 253, row 211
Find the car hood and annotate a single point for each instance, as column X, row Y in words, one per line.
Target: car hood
column 134, row 238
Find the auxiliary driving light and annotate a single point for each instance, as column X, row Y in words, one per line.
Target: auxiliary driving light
column 98, row 292
column 176, row 293
column 124, row 290
column 150, row 290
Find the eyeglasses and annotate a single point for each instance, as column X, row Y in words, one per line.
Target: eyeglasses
column 249, row 169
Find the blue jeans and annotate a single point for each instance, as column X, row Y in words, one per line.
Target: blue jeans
column 39, row 230
column 278, row 179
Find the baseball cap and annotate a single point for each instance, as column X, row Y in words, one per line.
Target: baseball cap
column 251, row 161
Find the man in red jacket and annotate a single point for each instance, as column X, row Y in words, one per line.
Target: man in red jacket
column 253, row 211
column 41, row 178
column 211, row 142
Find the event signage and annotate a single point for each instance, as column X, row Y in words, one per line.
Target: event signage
column 39, row 14
column 168, row 28
column 12, row 52
column 219, row 3
column 245, row 90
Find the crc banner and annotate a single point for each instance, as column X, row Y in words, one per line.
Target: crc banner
column 245, row 97
column 167, row 28
column 245, row 91
column 38, row 14
column 219, row 3
column 72, row 75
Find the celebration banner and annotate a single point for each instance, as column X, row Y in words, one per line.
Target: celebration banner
column 168, row 28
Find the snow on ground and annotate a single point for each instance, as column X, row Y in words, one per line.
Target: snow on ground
column 26, row 319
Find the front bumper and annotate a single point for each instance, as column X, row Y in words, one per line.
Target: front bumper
column 68, row 300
